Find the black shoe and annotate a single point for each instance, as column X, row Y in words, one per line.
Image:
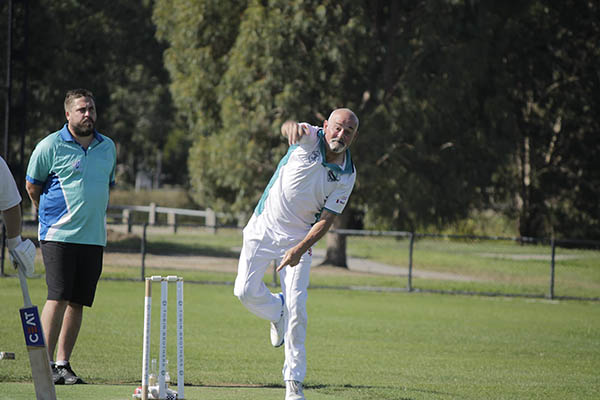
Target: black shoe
column 56, row 376
column 70, row 378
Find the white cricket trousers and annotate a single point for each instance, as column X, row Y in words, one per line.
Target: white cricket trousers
column 260, row 248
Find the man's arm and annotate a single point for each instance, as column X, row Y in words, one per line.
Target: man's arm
column 294, row 131
column 12, row 221
column 34, row 191
column 318, row 230
column 22, row 252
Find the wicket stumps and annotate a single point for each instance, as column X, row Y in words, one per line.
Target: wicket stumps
column 162, row 354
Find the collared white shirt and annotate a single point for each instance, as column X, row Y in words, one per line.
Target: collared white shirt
column 303, row 185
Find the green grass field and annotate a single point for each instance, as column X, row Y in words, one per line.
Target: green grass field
column 361, row 345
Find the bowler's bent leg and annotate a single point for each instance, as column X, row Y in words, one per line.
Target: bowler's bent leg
column 255, row 258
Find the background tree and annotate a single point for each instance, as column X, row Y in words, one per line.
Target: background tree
column 272, row 71
column 554, row 96
column 110, row 50
column 330, row 54
column 462, row 104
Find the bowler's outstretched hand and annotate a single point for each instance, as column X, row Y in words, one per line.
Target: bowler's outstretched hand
column 294, row 131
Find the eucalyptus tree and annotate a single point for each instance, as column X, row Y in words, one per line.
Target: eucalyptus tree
column 464, row 105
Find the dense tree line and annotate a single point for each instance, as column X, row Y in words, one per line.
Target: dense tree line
column 110, row 49
column 464, row 105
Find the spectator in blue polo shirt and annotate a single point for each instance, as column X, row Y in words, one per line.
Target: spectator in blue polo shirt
column 68, row 180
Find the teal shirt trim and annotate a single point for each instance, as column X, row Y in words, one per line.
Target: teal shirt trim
column 349, row 167
column 261, row 203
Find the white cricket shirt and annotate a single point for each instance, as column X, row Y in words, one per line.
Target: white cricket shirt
column 9, row 194
column 303, row 185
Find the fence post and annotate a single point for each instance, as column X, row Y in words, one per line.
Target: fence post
column 143, row 251
column 172, row 220
column 552, row 268
column 127, row 219
column 211, row 220
column 410, row 261
column 152, row 214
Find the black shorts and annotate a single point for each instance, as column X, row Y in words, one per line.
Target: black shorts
column 72, row 271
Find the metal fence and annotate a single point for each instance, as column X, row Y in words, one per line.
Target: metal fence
column 377, row 260
column 509, row 259
column 463, row 264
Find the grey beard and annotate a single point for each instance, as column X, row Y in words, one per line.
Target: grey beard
column 337, row 149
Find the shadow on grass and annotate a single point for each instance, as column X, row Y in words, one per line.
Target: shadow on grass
column 341, row 388
column 337, row 388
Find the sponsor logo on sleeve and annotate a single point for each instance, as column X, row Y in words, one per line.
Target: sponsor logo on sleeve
column 342, row 200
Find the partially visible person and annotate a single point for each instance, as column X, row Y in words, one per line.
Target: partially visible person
column 310, row 187
column 22, row 252
column 68, row 180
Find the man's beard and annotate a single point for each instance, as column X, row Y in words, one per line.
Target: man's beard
column 84, row 129
column 337, row 146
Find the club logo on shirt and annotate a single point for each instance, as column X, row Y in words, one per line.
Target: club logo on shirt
column 314, row 156
column 332, row 176
column 77, row 165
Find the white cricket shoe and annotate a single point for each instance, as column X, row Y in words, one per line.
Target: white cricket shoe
column 293, row 390
column 278, row 328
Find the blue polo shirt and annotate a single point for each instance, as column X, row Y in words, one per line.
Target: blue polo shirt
column 76, row 186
